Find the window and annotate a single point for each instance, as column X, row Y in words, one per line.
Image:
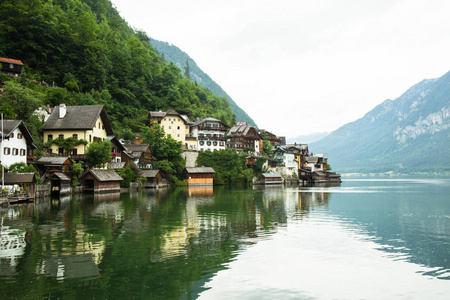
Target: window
column 170, row 119
column 208, row 143
column 61, row 136
column 178, row 135
column 165, row 119
column 11, row 66
column 15, row 151
column 22, row 152
column 178, row 127
column 7, row 151
column 162, row 127
column 61, row 151
column 90, row 138
column 187, row 127
column 178, row 119
column 170, row 127
column 202, row 143
column 11, row 135
column 75, row 136
column 74, row 151
column 99, row 125
column 215, row 143
column 50, row 137
column 19, row 135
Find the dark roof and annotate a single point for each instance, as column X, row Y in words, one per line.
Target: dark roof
column 11, row 61
column 312, row 159
column 116, row 165
column 148, row 173
column 10, row 125
column 17, row 178
column 137, row 147
column 116, row 141
column 51, row 160
column 103, row 175
column 60, row 176
column 82, row 117
column 198, row 170
column 241, row 130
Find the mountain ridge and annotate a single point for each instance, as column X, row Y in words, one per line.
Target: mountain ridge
column 397, row 135
column 171, row 52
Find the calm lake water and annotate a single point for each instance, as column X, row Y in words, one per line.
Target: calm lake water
column 364, row 239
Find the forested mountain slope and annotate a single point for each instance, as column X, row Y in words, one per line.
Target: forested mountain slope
column 185, row 62
column 410, row 134
column 90, row 54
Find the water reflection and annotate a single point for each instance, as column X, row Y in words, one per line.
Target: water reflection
column 174, row 243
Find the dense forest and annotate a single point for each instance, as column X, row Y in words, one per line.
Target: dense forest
column 87, row 54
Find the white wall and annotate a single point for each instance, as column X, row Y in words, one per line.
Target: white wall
column 14, row 143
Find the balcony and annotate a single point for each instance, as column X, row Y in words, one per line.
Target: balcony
column 204, row 127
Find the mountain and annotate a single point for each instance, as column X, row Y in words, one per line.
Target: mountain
column 88, row 54
column 308, row 138
column 174, row 54
column 410, row 134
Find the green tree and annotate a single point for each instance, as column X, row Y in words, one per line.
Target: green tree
column 98, row 154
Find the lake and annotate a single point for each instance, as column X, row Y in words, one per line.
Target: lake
column 364, row 239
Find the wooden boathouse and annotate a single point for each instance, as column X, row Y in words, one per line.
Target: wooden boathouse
column 60, row 183
column 154, row 178
column 26, row 183
column 100, row 181
column 270, row 178
column 199, row 176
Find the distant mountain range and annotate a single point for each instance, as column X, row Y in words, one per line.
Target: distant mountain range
column 410, row 134
column 179, row 58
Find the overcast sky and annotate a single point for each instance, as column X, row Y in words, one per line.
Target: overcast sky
column 299, row 67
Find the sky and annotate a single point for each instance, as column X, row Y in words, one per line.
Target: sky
column 299, row 67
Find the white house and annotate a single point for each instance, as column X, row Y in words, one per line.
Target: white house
column 210, row 134
column 16, row 143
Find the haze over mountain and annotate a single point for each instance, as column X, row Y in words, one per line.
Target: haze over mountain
column 410, row 134
column 182, row 60
column 307, row 138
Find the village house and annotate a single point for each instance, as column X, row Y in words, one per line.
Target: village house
column 47, row 165
column 139, row 154
column 87, row 122
column 272, row 138
column 16, row 143
column 118, row 150
column 242, row 136
column 173, row 124
column 11, row 66
column 210, row 134
column 285, row 159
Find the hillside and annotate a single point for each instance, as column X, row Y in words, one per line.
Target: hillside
column 410, row 134
column 88, row 54
column 172, row 53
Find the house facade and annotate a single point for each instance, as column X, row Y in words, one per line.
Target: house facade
column 242, row 136
column 139, row 154
column 285, row 158
column 210, row 134
column 16, row 144
column 11, row 66
column 87, row 122
column 173, row 124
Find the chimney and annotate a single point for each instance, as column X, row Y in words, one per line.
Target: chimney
column 62, row 110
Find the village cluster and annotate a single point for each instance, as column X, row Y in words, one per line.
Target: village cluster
column 91, row 124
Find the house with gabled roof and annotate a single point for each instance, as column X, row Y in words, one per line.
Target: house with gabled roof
column 16, row 143
column 174, row 124
column 87, row 122
column 140, row 154
column 210, row 134
column 100, row 181
column 242, row 136
column 11, row 66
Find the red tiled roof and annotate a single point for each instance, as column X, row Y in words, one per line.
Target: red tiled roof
column 11, row 61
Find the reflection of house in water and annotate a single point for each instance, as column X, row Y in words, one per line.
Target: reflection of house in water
column 65, row 267
column 12, row 247
column 310, row 199
column 200, row 191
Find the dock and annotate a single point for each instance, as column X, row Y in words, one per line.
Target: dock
column 6, row 201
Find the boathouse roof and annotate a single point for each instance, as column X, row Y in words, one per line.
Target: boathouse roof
column 199, row 170
column 103, row 175
column 19, row 178
column 149, row 173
